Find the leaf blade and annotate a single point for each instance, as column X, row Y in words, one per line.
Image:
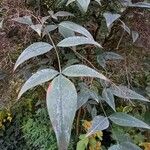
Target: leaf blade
column 124, row 92
column 110, row 18
column 76, row 28
column 61, row 104
column 24, row 20
column 38, row 78
column 82, row 70
column 33, row 50
column 109, row 98
column 77, row 40
column 123, row 119
column 84, row 4
column 99, row 123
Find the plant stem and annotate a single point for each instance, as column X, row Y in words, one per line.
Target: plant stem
column 55, row 48
column 78, row 121
column 120, row 40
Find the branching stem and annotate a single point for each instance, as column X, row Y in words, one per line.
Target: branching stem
column 55, row 48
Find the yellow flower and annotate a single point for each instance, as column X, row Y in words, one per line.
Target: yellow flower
column 87, row 124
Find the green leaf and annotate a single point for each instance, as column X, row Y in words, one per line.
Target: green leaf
column 84, row 95
column 77, row 40
column 84, row 4
column 126, row 2
column 111, row 56
column 115, row 147
column 125, row 146
column 60, row 14
column 69, row 2
column 24, row 20
column 124, row 92
column 102, row 62
column 123, row 119
column 33, row 50
column 63, row 14
column 120, row 135
column 76, row 28
column 110, row 18
column 140, row 5
column 65, row 32
column 49, row 28
column 135, row 36
column 82, row 144
column 44, row 19
column 37, row 28
column 82, row 70
column 109, row 98
column 104, row 57
column 129, row 146
column 38, row 78
column 62, row 105
column 99, row 123
column 94, row 112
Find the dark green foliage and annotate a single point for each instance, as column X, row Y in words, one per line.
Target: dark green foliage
column 38, row 133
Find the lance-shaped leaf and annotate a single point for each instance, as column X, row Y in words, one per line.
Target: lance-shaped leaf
column 62, row 104
column 111, row 56
column 82, row 71
column 77, row 40
column 124, row 92
column 129, row 145
column 123, row 119
column 60, row 14
column 37, row 28
column 24, row 20
column 126, row 2
column 63, row 14
column 115, row 147
column 135, row 36
column 86, row 94
column 44, row 19
column 76, row 28
column 33, row 50
column 48, row 29
column 65, row 32
column 110, row 18
column 69, row 2
column 104, row 57
column 140, row 5
column 99, row 123
column 109, row 98
column 125, row 146
column 83, row 97
column 38, row 78
column 83, row 4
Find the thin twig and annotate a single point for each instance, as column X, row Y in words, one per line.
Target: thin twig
column 59, row 65
column 78, row 120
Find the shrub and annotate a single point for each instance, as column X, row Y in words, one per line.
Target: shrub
column 63, row 98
